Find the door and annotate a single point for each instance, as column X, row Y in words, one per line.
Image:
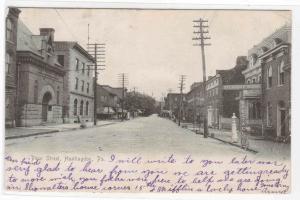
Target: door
column 282, row 122
column 45, row 106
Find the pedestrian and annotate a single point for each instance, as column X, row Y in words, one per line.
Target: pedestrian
column 244, row 138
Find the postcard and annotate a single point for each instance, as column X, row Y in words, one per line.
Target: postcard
column 145, row 100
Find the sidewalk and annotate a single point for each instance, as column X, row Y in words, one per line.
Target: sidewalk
column 257, row 144
column 19, row 132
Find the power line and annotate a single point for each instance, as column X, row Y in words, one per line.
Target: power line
column 201, row 36
column 68, row 28
column 123, row 79
column 93, row 50
column 181, row 87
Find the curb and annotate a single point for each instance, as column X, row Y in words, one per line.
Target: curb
column 30, row 135
column 230, row 143
column 53, row 131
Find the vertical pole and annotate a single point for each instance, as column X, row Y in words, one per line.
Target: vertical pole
column 95, row 87
column 205, row 128
column 123, row 96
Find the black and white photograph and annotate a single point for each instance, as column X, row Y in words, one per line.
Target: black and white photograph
column 144, row 100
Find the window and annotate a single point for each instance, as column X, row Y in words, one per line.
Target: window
column 269, row 77
column 82, row 86
column 76, row 83
column 83, row 68
column 248, row 81
column 281, row 73
column 61, row 59
column 88, row 70
column 269, row 114
column 57, row 95
column 87, row 88
column 9, row 30
column 35, row 91
column 253, row 80
column 81, row 108
column 8, row 63
column 75, row 107
column 259, row 79
column 77, row 64
column 87, row 108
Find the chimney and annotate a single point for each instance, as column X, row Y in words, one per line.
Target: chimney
column 47, row 32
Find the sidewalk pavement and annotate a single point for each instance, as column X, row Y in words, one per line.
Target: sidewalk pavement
column 257, row 144
column 19, row 132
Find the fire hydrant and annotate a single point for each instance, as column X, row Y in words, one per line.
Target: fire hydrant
column 234, row 137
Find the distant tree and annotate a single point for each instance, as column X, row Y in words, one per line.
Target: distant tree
column 135, row 101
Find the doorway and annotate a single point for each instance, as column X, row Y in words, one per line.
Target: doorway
column 45, row 106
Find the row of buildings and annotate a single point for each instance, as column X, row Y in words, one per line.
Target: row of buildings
column 48, row 81
column 257, row 89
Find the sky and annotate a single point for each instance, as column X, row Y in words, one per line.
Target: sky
column 155, row 47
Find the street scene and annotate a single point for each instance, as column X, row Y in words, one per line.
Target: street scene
column 132, row 84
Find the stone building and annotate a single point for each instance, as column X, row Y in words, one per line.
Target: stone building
column 40, row 94
column 11, row 79
column 78, row 101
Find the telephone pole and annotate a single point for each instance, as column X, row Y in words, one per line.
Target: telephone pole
column 201, row 36
column 181, row 87
column 96, row 50
column 123, row 79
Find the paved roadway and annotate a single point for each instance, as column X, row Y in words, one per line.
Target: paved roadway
column 141, row 135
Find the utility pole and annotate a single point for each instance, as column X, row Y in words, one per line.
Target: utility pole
column 123, row 79
column 181, row 87
column 200, row 36
column 97, row 51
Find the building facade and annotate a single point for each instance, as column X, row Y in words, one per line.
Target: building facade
column 108, row 103
column 172, row 103
column 11, row 67
column 265, row 100
column 195, row 103
column 275, row 59
column 78, row 101
column 40, row 93
column 222, row 92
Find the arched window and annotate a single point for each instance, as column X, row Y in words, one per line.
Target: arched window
column 270, row 77
column 57, row 95
column 35, row 91
column 75, row 107
column 8, row 61
column 76, row 83
column 87, row 108
column 259, row 79
column 281, row 73
column 83, row 68
column 9, row 30
column 81, row 108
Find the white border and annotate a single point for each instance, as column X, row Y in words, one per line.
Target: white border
column 293, row 5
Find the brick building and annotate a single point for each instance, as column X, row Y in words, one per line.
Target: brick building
column 275, row 59
column 108, row 102
column 195, row 103
column 40, row 94
column 11, row 67
column 222, row 95
column 172, row 103
column 78, row 101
